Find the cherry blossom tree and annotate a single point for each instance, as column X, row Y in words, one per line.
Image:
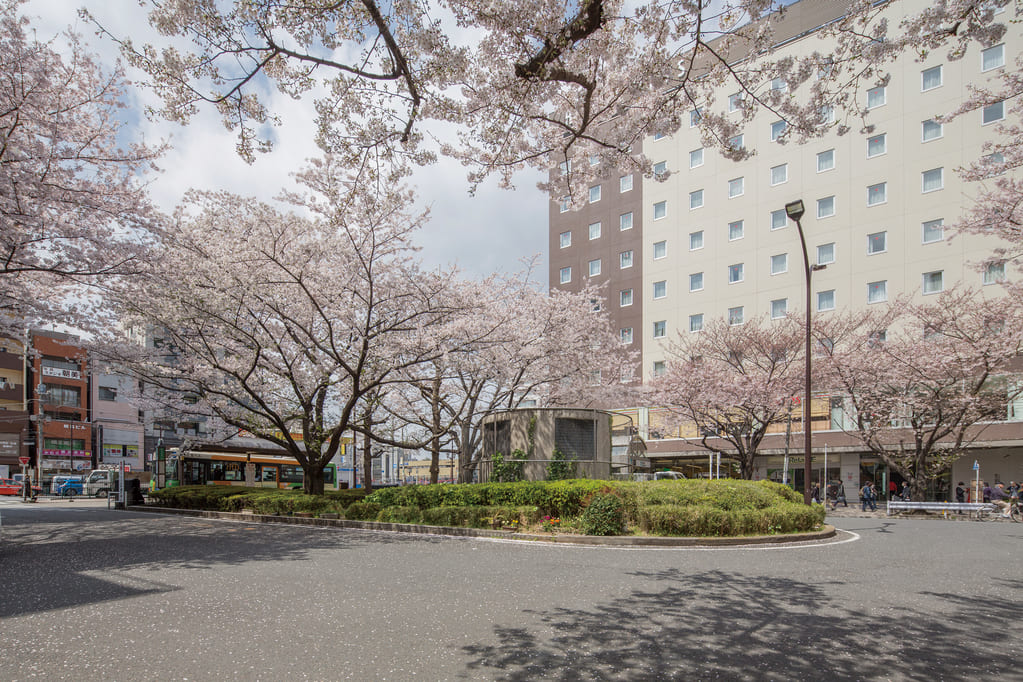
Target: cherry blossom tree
column 285, row 325
column 534, row 82
column 923, row 380
column 556, row 349
column 731, row 382
column 73, row 205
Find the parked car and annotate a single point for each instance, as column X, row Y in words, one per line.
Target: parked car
column 9, row 486
column 661, row 475
column 67, row 486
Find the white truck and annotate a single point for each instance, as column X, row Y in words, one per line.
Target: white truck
column 101, row 482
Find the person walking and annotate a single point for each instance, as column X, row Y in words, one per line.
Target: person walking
column 905, row 491
column 867, row 496
column 815, row 493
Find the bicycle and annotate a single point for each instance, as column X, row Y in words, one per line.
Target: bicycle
column 1015, row 513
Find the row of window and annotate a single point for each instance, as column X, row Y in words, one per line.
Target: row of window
column 877, row 292
column 930, row 79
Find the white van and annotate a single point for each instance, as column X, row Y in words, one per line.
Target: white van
column 101, row 482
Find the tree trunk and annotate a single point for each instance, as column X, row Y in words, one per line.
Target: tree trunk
column 367, row 457
column 312, row 482
column 435, row 441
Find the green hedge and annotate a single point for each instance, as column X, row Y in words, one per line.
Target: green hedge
column 724, row 507
column 260, row 500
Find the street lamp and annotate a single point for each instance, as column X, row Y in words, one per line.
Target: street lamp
column 795, row 210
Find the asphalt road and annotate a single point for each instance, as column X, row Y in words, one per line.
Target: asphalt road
column 91, row 594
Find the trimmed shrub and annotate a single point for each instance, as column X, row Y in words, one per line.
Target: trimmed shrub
column 605, row 515
column 362, row 511
column 400, row 515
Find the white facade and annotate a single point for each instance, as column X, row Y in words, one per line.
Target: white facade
column 876, row 203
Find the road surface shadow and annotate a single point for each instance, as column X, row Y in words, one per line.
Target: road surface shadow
column 721, row 625
column 60, row 560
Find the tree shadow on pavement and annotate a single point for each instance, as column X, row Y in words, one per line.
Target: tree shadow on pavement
column 720, row 625
column 56, row 562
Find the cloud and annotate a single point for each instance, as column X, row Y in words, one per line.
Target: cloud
column 489, row 232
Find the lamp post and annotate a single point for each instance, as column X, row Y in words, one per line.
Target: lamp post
column 795, row 210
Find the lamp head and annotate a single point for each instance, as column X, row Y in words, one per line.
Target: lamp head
column 794, row 209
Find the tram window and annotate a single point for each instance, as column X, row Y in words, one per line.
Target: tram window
column 233, row 471
column 217, row 471
column 266, row 473
column 328, row 476
column 291, row 473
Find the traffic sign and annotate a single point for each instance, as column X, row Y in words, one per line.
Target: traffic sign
column 23, row 460
column 976, row 466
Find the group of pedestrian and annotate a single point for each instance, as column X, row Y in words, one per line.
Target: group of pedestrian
column 868, row 496
column 1002, row 497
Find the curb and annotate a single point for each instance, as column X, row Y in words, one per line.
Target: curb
column 826, row 532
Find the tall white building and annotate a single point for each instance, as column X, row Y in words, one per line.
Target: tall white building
column 715, row 241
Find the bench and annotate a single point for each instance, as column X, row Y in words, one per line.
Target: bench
column 977, row 508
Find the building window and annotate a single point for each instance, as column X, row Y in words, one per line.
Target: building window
column 992, row 58
column 563, row 206
column 827, row 115
column 696, row 322
column 660, row 289
column 625, row 221
column 780, row 174
column 565, row 166
column 625, row 297
column 625, row 259
column 660, row 250
column 566, row 275
column 108, row 393
column 930, row 78
column 659, row 136
column 594, row 267
column 934, row 231
column 594, row 160
column 777, row 130
column 826, row 300
column 660, row 329
column 694, row 118
column 660, row 169
column 696, row 240
column 735, row 315
column 625, row 183
column 993, row 112
column 779, row 263
column 877, row 242
column 696, row 158
column 994, row 163
column 779, row 84
column 735, row 187
column 934, row 282
column 877, row 194
column 778, row 219
column 932, row 180
column 877, row 292
column 931, row 130
column 735, row 102
column 875, row 97
column 696, row 281
column 877, row 145
column 695, row 199
column 735, row 273
column 826, row 160
column 594, row 230
column 661, row 209
column 735, row 230
column 626, row 335
column 659, row 368
column 826, row 207
column 565, row 239
column 736, row 143
column 993, row 274
column 779, row 308
column 826, row 253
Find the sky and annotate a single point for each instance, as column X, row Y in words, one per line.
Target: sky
column 492, row 231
